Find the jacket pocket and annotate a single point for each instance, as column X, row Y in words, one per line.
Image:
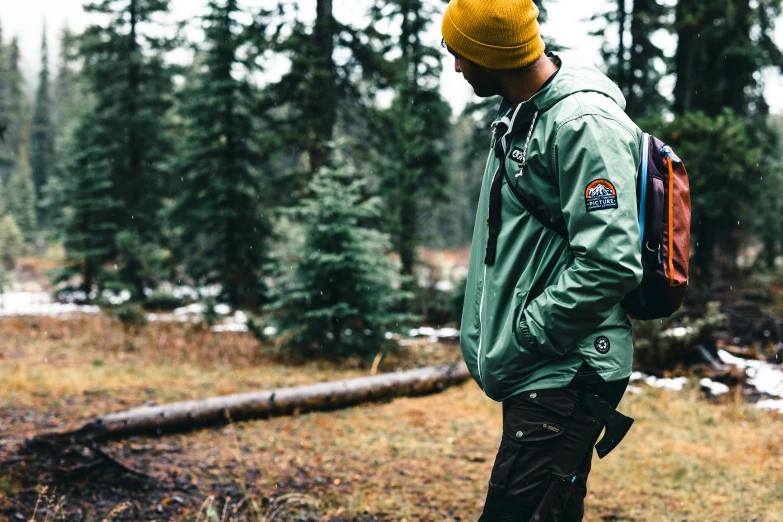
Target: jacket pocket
column 519, row 324
column 478, row 297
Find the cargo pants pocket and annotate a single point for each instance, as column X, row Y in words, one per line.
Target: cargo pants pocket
column 533, row 426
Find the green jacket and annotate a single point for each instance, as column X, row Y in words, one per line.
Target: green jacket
column 549, row 307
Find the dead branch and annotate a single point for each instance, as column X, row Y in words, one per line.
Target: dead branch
column 186, row 415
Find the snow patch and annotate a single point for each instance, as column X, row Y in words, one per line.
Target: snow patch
column 765, row 377
column 193, row 311
column 222, row 309
column 39, row 304
column 770, row 404
column 116, row 299
column 715, row 388
column 435, row 334
column 229, row 327
column 673, row 384
column 234, row 323
column 444, row 286
column 678, row 332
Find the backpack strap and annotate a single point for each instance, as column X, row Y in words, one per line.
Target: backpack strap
column 532, row 210
column 495, row 193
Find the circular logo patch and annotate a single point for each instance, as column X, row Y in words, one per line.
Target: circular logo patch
column 602, row 345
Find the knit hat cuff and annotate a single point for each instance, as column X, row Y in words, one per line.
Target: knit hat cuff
column 491, row 56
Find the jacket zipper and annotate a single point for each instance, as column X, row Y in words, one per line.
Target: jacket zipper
column 481, row 333
column 510, row 125
column 669, row 153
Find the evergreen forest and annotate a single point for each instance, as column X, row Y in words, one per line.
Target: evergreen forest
column 233, row 261
column 305, row 170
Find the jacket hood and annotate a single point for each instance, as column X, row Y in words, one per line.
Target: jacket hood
column 576, row 74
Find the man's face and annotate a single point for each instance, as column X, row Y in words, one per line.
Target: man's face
column 482, row 80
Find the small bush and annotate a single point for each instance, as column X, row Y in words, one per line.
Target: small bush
column 162, row 302
column 337, row 294
column 131, row 316
column 11, row 241
column 435, row 306
column 5, row 280
column 667, row 343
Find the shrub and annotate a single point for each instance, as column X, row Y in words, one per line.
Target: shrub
column 162, row 302
column 131, row 316
column 337, row 293
column 11, row 241
column 665, row 344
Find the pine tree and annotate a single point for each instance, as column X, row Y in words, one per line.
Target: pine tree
column 636, row 64
column 720, row 107
column 11, row 242
column 413, row 172
column 14, row 107
column 6, row 160
column 70, row 103
column 91, row 227
column 117, row 182
column 318, row 93
column 731, row 175
column 3, row 198
column 220, row 210
column 311, row 113
column 42, row 157
column 646, row 63
column 20, row 197
column 337, row 297
column 543, row 16
column 722, row 47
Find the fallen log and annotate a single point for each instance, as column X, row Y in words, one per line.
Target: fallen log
column 181, row 416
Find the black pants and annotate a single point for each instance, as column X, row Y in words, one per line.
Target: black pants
column 547, row 437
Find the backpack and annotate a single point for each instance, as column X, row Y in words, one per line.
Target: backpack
column 664, row 208
column 664, row 205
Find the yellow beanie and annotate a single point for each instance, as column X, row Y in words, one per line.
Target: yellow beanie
column 496, row 34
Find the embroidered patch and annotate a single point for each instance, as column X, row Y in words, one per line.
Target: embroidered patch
column 517, row 154
column 600, row 195
column 602, row 345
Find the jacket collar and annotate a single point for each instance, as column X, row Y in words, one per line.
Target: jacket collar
column 514, row 117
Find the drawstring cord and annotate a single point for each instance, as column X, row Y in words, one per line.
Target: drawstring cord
column 524, row 152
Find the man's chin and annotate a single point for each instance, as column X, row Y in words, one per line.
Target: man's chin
column 484, row 92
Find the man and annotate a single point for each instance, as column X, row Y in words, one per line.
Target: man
column 555, row 250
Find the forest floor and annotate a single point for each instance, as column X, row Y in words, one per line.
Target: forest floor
column 425, row 458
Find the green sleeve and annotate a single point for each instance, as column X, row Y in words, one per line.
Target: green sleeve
column 604, row 242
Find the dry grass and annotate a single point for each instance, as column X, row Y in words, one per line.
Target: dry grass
column 429, row 459
column 410, row 459
column 90, row 365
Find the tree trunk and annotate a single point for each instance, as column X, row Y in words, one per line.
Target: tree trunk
column 636, row 58
column 687, row 47
column 185, row 415
column 407, row 235
column 134, row 184
column 704, row 257
column 622, row 68
column 736, row 95
column 325, row 103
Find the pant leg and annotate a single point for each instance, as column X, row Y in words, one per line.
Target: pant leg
column 546, row 438
column 500, row 509
column 575, row 508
